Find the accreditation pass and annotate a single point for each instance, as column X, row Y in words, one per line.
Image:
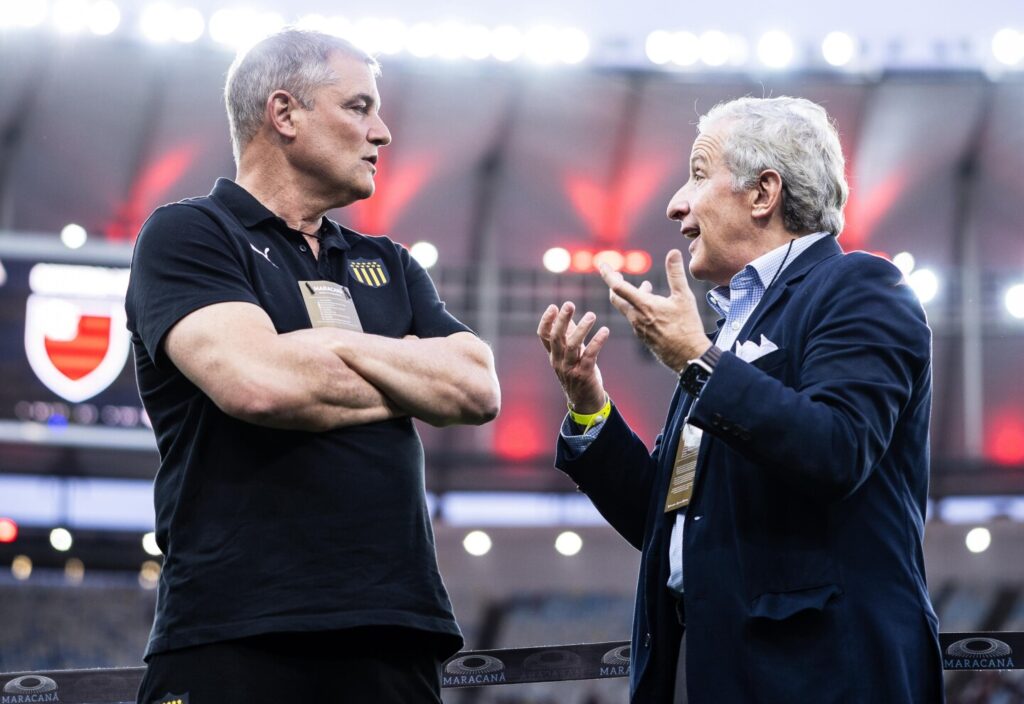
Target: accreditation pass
column 330, row 305
column 680, row 485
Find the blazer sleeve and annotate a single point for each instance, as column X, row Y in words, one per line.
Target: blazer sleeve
column 616, row 471
column 867, row 347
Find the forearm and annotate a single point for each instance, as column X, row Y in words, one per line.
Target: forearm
column 616, row 472
column 443, row 380
column 307, row 387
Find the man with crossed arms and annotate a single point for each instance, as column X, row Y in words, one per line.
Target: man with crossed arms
column 282, row 358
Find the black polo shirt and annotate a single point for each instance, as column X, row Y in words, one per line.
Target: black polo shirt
column 268, row 530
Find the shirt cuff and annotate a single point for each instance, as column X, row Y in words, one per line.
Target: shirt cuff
column 576, row 440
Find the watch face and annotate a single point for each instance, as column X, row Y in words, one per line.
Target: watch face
column 693, row 379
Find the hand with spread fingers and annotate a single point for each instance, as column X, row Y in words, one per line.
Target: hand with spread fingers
column 573, row 359
column 669, row 326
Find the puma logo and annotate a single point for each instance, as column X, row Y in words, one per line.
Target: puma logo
column 265, row 254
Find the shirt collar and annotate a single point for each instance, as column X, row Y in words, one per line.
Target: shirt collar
column 250, row 212
column 761, row 272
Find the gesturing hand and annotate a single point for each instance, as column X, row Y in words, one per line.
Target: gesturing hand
column 669, row 326
column 574, row 362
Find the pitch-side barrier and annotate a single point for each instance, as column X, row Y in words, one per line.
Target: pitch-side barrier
column 990, row 650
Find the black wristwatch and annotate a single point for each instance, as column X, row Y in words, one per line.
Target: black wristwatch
column 697, row 371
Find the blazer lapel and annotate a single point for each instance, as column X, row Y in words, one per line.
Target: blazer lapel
column 818, row 252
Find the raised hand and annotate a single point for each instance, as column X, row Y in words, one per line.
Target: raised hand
column 573, row 359
column 669, row 326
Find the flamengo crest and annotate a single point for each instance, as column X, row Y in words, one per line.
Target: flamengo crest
column 75, row 334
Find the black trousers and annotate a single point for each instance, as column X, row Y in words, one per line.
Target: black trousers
column 371, row 665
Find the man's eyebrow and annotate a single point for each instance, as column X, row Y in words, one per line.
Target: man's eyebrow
column 697, row 160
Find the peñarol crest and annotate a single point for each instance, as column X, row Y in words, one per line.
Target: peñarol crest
column 369, row 272
column 75, row 334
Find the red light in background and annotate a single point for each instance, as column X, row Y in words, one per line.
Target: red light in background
column 634, row 261
column 150, row 188
column 866, row 209
column 1005, row 442
column 613, row 259
column 582, row 260
column 517, row 436
column 8, row 530
column 637, row 261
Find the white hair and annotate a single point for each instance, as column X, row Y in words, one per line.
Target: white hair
column 293, row 60
column 795, row 137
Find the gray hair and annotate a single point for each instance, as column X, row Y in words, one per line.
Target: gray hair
column 293, row 60
column 796, row 138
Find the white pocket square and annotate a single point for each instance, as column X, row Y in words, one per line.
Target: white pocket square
column 750, row 350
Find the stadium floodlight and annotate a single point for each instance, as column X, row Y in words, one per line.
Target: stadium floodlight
column 904, row 261
column 1008, row 46
column 685, row 48
column 157, row 22
column 925, row 284
column 378, row 36
column 240, row 29
column 1014, row 301
column 573, row 45
column 73, row 236
column 739, row 50
column 314, row 22
column 24, row 13
column 775, row 49
column 477, row 543
column 476, row 41
column 149, row 574
column 659, row 47
column 507, row 43
column 60, row 539
column 104, row 17
column 149, row 544
column 978, row 539
column 70, row 16
column 21, row 567
column 425, row 253
column 188, row 25
column 541, row 44
column 838, row 48
column 714, row 48
column 74, row 571
column 557, row 259
column 338, row 26
column 568, row 543
column 450, row 40
column 421, row 40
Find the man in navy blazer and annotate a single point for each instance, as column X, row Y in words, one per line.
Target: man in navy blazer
column 781, row 513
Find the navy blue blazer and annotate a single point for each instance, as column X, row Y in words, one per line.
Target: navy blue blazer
column 803, row 562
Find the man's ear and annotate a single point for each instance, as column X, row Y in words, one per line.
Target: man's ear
column 282, row 113
column 766, row 196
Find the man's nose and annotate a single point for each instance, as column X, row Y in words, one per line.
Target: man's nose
column 678, row 206
column 379, row 134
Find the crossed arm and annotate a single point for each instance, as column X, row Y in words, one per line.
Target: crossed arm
column 323, row 378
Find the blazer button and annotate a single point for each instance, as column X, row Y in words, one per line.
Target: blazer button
column 647, row 640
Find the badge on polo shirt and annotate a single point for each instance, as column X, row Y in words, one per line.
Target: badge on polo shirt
column 680, row 486
column 172, row 699
column 369, row 272
column 330, row 305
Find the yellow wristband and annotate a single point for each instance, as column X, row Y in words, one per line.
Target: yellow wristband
column 589, row 420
